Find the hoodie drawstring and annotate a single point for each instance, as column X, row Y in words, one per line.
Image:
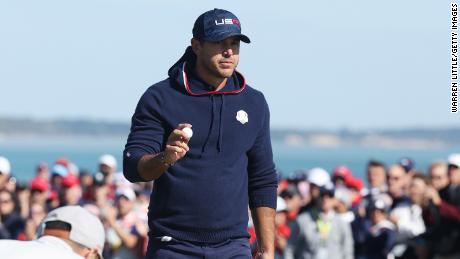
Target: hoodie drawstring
column 211, row 126
column 221, row 126
column 203, row 150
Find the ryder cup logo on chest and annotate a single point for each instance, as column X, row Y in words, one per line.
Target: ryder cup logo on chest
column 242, row 117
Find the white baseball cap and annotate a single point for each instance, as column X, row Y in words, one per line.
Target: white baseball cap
column 5, row 167
column 318, row 176
column 108, row 160
column 280, row 204
column 86, row 229
column 454, row 159
column 126, row 192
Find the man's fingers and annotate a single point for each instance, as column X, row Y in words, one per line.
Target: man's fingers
column 183, row 125
column 181, row 144
column 176, row 149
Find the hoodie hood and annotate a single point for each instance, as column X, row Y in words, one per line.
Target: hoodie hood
column 182, row 72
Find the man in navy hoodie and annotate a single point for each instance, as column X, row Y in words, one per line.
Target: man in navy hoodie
column 203, row 185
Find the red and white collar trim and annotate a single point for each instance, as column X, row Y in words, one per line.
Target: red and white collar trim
column 187, row 87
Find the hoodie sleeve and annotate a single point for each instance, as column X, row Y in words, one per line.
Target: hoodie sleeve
column 262, row 179
column 146, row 136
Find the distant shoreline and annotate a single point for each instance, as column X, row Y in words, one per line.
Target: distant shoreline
column 24, row 129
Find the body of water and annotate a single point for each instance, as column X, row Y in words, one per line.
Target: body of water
column 25, row 154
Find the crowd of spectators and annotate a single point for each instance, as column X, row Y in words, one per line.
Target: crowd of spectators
column 402, row 213
column 399, row 212
column 121, row 205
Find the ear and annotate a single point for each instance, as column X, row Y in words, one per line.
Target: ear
column 196, row 46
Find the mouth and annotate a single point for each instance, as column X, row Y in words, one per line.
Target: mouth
column 226, row 65
column 226, row 62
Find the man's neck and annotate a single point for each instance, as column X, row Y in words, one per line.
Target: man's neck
column 216, row 82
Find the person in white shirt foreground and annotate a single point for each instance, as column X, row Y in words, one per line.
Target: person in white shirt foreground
column 69, row 232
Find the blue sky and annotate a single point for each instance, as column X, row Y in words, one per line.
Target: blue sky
column 321, row 64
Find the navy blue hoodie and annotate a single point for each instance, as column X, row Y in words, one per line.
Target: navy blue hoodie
column 204, row 196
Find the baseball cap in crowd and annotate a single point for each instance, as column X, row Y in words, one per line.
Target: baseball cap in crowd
column 280, row 204
column 379, row 204
column 354, row 183
column 127, row 193
column 298, row 176
column 327, row 189
column 108, row 160
column 70, row 180
column 216, row 25
column 290, row 191
column 5, row 167
column 342, row 171
column 62, row 161
column 454, row 159
column 59, row 170
column 39, row 184
column 318, row 176
column 86, row 229
column 407, row 163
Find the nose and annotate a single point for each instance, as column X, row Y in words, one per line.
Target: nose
column 228, row 52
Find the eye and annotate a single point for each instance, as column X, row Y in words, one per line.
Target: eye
column 236, row 43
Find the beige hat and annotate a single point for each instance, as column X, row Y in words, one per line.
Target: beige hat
column 454, row 159
column 108, row 160
column 86, row 229
column 126, row 192
column 5, row 167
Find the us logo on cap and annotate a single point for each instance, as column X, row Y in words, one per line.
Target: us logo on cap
column 227, row 21
column 242, row 116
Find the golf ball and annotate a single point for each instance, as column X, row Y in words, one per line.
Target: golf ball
column 188, row 132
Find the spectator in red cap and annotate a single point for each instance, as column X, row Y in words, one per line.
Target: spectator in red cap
column 39, row 188
column 355, row 185
column 62, row 161
column 340, row 175
column 72, row 192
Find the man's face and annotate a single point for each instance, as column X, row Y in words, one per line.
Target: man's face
column 72, row 195
column 124, row 205
column 417, row 191
column 454, row 174
column 106, row 170
column 327, row 203
column 219, row 59
column 376, row 176
column 439, row 177
column 396, row 180
column 6, row 203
